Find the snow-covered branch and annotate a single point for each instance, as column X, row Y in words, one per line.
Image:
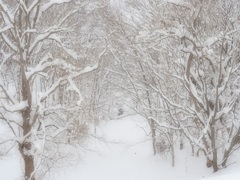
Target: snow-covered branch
column 6, row 13
column 46, row 35
column 64, row 80
column 16, row 107
column 51, row 3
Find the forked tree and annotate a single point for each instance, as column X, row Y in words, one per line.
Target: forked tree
column 40, row 99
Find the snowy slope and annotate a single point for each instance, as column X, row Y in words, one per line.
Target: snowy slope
column 10, row 165
column 10, row 168
column 125, row 154
column 231, row 173
column 129, row 157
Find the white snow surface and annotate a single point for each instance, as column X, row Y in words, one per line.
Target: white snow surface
column 231, row 173
column 127, row 155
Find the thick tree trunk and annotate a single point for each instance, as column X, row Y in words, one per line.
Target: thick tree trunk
column 28, row 164
column 215, row 165
column 29, row 167
column 27, row 126
column 27, row 158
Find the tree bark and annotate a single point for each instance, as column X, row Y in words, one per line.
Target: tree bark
column 228, row 152
column 28, row 164
column 214, row 150
column 26, row 115
column 153, row 131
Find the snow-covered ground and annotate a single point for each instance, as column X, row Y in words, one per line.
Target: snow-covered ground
column 231, row 173
column 126, row 155
column 10, row 165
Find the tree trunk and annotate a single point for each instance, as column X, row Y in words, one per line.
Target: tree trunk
column 28, row 158
column 28, row 163
column 209, row 163
column 150, row 121
column 172, row 147
column 181, row 140
column 227, row 153
column 153, row 131
column 26, row 115
column 214, row 150
column 225, row 158
column 215, row 165
column 173, row 155
column 29, row 167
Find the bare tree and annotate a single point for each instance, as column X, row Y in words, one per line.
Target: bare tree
column 184, row 71
column 35, row 80
column 202, row 59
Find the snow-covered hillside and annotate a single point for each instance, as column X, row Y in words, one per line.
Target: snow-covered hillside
column 123, row 152
column 128, row 156
column 231, row 173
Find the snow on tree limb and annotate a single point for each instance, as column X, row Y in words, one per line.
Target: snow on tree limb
column 23, row 5
column 70, row 52
column 8, row 96
column 181, row 3
column 16, row 107
column 164, row 124
column 6, row 28
column 64, row 80
column 51, row 3
column 28, row 31
column 74, row 87
column 8, row 42
column 44, row 36
column 7, row 16
column 46, row 62
column 5, row 57
column 32, row 6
